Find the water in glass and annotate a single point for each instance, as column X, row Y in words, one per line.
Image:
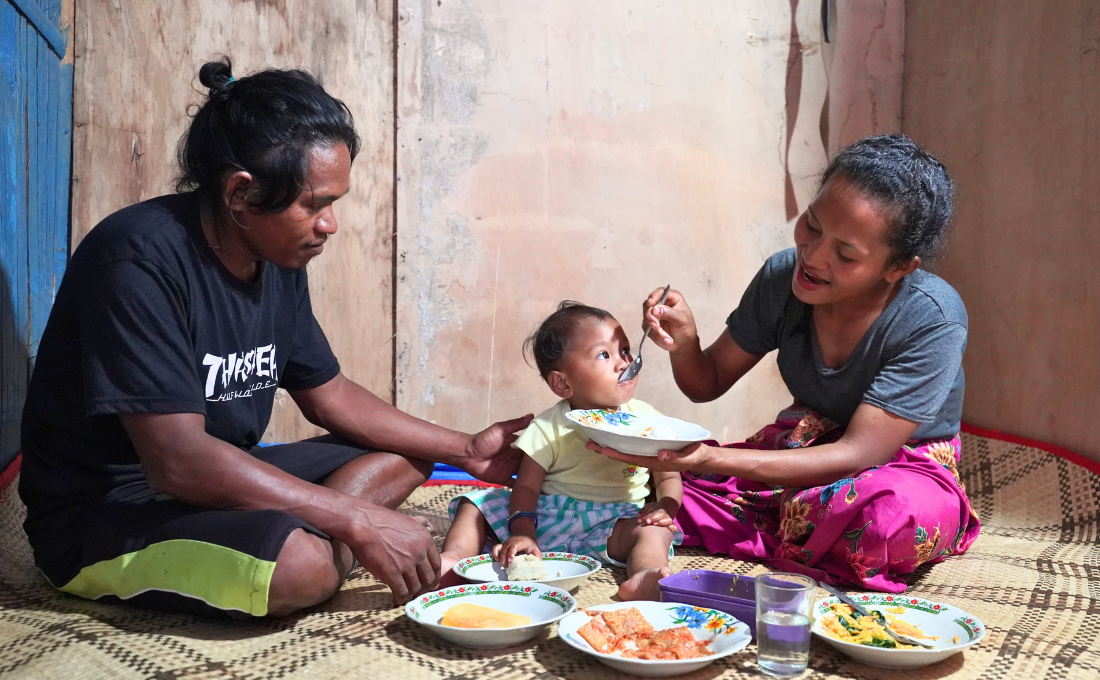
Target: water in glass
column 783, row 642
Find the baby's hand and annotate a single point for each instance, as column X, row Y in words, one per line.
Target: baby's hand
column 504, row 552
column 655, row 514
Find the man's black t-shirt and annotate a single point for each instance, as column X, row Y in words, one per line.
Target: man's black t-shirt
column 148, row 320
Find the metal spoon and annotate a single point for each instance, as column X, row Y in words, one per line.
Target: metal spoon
column 903, row 639
column 635, row 366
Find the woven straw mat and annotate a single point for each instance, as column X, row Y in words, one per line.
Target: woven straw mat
column 1033, row 577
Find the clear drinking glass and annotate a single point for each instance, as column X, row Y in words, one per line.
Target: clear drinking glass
column 783, row 605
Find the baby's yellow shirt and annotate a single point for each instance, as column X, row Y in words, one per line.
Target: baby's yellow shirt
column 557, row 444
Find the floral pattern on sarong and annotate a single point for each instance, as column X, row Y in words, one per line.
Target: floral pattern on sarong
column 827, row 492
column 795, row 428
column 946, row 455
column 857, row 531
column 789, row 551
column 925, row 545
column 861, row 565
column 795, row 523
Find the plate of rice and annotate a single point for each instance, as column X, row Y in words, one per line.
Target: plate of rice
column 948, row 628
column 558, row 569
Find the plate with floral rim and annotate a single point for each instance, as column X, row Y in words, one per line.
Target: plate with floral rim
column 567, row 570
column 640, row 434
column 953, row 628
column 543, row 604
column 725, row 635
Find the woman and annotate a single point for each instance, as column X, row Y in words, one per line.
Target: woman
column 857, row 482
column 176, row 321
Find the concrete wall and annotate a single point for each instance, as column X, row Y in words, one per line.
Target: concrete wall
column 598, row 150
column 569, row 150
column 595, row 151
column 1010, row 100
column 136, row 73
column 864, row 63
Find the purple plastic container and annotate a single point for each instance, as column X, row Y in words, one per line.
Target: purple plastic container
column 729, row 593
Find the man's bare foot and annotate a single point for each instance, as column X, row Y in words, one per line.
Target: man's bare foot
column 643, row 585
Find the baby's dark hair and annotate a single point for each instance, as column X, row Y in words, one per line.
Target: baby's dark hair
column 550, row 342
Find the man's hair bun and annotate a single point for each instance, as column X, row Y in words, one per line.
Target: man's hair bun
column 266, row 124
column 215, row 75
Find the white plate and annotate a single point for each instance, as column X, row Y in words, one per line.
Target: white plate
column 933, row 618
column 623, row 431
column 573, row 569
column 543, row 604
column 726, row 634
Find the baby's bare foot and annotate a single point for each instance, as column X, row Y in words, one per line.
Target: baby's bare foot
column 643, row 585
column 447, row 576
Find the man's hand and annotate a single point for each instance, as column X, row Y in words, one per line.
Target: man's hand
column 695, row 456
column 398, row 550
column 505, row 552
column 490, row 456
column 657, row 514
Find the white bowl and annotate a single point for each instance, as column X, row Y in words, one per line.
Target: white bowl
column 543, row 604
column 726, row 634
column 626, row 431
column 573, row 569
column 933, row 618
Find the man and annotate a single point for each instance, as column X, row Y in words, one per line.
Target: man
column 174, row 324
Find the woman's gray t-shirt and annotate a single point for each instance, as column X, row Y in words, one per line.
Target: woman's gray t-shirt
column 908, row 363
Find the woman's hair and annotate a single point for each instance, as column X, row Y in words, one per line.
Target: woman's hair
column 550, row 342
column 909, row 183
column 265, row 124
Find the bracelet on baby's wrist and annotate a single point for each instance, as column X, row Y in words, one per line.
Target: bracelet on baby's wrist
column 522, row 513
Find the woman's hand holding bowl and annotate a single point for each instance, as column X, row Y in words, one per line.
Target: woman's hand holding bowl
column 671, row 325
column 695, row 457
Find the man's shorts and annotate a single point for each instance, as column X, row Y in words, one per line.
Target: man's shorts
column 156, row 551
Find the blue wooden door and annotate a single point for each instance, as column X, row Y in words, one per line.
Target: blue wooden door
column 35, row 149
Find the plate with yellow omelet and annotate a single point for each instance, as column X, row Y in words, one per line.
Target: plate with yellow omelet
column 490, row 615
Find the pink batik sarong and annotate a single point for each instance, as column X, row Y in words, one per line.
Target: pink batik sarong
column 871, row 531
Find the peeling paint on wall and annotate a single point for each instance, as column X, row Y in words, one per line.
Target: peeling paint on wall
column 592, row 152
column 454, row 64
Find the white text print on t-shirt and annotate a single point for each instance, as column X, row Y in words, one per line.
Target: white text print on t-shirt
column 238, row 375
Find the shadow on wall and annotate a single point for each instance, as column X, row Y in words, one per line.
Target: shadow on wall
column 792, row 102
column 14, row 373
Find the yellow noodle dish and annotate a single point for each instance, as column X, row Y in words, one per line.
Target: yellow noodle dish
column 842, row 623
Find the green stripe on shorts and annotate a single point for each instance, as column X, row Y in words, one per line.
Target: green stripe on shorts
column 219, row 576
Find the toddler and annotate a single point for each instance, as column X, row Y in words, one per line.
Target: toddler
column 566, row 497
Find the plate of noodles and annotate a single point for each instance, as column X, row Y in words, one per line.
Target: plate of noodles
column 948, row 628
